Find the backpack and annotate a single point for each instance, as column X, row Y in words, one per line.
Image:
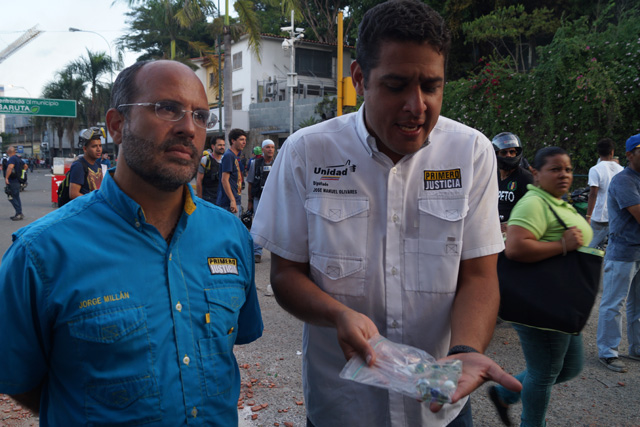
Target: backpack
column 63, row 189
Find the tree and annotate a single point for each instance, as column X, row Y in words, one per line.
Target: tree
column 66, row 86
column 249, row 23
column 90, row 69
column 510, row 29
column 168, row 29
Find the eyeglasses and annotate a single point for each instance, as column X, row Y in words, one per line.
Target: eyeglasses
column 173, row 111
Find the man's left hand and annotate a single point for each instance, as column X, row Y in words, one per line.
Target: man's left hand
column 476, row 370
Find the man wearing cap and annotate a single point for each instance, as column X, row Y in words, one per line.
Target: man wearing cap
column 621, row 277
column 258, row 173
column 85, row 174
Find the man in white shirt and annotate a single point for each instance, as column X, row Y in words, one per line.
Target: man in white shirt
column 385, row 221
column 599, row 178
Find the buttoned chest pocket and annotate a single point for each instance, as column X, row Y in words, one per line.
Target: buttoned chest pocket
column 216, row 352
column 432, row 261
column 113, row 349
column 338, row 239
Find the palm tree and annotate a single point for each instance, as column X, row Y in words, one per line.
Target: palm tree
column 67, row 86
column 90, row 69
column 155, row 20
column 248, row 24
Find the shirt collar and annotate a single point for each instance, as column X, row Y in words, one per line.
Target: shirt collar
column 369, row 141
column 548, row 197
column 127, row 208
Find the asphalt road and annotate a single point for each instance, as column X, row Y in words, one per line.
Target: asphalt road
column 271, row 369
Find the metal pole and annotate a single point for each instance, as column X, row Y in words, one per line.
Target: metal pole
column 293, row 64
column 219, row 80
column 340, row 66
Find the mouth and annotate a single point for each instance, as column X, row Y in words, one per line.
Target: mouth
column 410, row 128
column 180, row 151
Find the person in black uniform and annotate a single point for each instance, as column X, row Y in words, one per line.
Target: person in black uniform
column 512, row 177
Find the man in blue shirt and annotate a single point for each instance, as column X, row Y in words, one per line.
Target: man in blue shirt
column 145, row 334
column 12, row 180
column 229, row 193
column 621, row 278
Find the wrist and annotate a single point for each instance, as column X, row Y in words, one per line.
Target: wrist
column 457, row 349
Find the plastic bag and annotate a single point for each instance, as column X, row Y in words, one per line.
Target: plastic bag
column 407, row 370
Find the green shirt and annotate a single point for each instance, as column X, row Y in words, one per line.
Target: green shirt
column 533, row 214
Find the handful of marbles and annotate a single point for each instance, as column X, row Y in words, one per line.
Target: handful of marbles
column 407, row 370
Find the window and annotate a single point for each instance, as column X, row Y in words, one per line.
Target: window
column 237, row 61
column 237, row 102
column 315, row 63
column 212, row 81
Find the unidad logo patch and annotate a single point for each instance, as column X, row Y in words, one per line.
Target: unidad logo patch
column 334, row 173
column 223, row 265
column 442, row 180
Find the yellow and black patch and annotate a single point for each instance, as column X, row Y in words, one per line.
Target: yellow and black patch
column 442, row 180
column 223, row 265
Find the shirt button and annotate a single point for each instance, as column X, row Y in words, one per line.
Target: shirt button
column 137, row 224
column 395, row 218
column 394, row 324
column 179, row 307
column 194, row 412
column 394, row 170
column 186, row 360
column 394, row 271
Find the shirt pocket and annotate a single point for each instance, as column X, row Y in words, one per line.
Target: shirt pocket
column 338, row 275
column 338, row 226
column 113, row 348
column 432, row 261
column 216, row 352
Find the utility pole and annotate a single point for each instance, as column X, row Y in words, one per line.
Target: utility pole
column 292, row 78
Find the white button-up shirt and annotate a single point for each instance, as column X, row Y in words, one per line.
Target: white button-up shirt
column 386, row 240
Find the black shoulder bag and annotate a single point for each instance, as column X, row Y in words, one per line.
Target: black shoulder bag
column 556, row 293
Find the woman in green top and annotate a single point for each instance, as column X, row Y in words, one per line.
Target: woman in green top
column 535, row 234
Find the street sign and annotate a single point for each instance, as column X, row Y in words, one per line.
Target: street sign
column 38, row 107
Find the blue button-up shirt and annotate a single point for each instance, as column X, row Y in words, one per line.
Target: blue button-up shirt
column 127, row 328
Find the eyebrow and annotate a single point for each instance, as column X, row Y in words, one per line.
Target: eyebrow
column 399, row 78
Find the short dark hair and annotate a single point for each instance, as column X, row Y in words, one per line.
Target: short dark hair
column 544, row 153
column 124, row 90
column 235, row 134
column 399, row 20
column 605, row 146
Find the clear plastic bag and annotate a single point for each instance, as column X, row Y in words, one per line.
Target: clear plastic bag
column 407, row 370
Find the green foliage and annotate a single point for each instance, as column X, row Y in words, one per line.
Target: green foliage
column 510, row 29
column 585, row 87
column 308, row 122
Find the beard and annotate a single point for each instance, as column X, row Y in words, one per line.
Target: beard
column 139, row 153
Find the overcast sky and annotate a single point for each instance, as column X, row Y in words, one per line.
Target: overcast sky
column 37, row 63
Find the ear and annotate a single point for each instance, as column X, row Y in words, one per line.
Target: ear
column 115, row 124
column 357, row 77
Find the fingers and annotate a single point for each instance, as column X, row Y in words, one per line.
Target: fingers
column 354, row 331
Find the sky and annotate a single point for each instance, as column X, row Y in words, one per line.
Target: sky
column 36, row 64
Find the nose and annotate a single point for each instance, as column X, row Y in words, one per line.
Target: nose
column 415, row 102
column 186, row 126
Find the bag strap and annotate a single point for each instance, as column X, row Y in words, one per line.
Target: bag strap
column 562, row 223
